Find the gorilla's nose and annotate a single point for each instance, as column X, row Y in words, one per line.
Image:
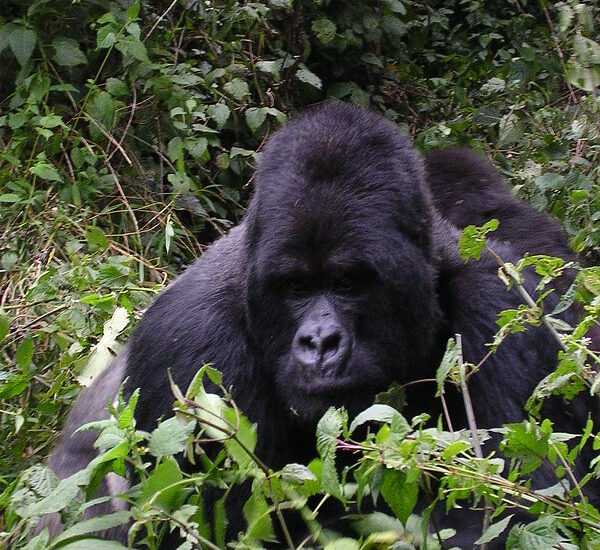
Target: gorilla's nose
column 322, row 344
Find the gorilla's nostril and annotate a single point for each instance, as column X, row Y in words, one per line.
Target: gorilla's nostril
column 307, row 342
column 329, row 345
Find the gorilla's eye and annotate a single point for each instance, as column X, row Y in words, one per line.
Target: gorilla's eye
column 296, row 286
column 345, row 284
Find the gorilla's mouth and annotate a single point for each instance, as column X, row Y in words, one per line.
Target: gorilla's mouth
column 329, row 384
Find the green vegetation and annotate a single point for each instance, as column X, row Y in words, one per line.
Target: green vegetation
column 128, row 135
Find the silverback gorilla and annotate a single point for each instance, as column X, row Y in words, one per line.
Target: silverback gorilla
column 342, row 278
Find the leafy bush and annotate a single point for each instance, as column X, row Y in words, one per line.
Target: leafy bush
column 128, row 135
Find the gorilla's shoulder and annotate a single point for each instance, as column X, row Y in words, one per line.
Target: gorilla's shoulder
column 198, row 319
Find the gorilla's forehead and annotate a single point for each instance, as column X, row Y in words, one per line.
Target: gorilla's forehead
column 319, row 235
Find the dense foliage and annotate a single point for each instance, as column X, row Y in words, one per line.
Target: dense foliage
column 128, row 135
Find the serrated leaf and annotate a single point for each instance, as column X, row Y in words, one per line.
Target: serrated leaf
column 472, row 239
column 449, row 362
column 324, row 29
column 64, row 493
column 494, row 530
column 170, row 437
column 396, row 6
column 245, row 438
column 399, row 494
column 162, row 486
column 494, row 85
column 269, row 67
column 297, row 473
column 96, row 238
column 22, row 42
column 257, row 515
column 329, row 429
column 453, row 449
column 67, row 52
column 133, row 11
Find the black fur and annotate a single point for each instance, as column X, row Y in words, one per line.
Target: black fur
column 341, row 238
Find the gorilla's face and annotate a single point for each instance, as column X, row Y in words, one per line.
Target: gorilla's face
column 341, row 279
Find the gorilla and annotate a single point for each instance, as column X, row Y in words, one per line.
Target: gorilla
column 343, row 278
column 467, row 190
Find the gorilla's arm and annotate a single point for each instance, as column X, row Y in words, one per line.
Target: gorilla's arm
column 76, row 450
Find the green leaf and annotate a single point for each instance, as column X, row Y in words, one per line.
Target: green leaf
column 329, row 430
column 22, row 41
column 175, row 149
column 257, row 515
column 170, row 437
column 237, row 88
column 96, row 238
column 197, row 147
column 161, row 486
column 399, row 494
column 94, row 524
column 46, row 171
column 396, row 6
column 472, row 240
column 510, row 130
column 219, row 112
column 93, row 544
column 4, row 326
column 67, row 52
column 550, row 181
column 51, row 121
column 454, row 449
column 297, row 473
column 344, row 543
column 10, row 198
column 324, row 29
column 24, row 354
column 269, row 67
column 494, row 530
column 449, row 362
column 133, row 11
column 62, row 495
column 378, row 413
column 5, row 32
column 116, row 87
column 303, row 74
column 494, row 85
column 539, row 534
column 245, row 434
column 255, row 117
